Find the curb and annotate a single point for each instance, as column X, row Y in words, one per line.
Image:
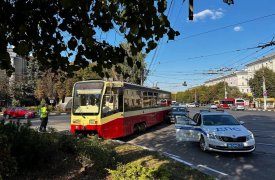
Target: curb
column 268, row 110
column 57, row 113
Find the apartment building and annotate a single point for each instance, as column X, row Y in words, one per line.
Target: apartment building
column 266, row 61
column 240, row 78
column 19, row 64
column 237, row 79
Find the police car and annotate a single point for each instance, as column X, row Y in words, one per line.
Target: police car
column 216, row 131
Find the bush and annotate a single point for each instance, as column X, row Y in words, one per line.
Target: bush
column 138, row 170
column 31, row 150
column 8, row 166
column 94, row 150
column 33, row 108
column 15, row 103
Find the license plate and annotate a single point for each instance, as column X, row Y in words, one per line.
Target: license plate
column 235, row 146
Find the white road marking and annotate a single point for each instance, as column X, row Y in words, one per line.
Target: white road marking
column 177, row 158
column 211, row 169
column 265, row 144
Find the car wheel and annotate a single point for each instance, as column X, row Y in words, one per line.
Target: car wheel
column 26, row 116
column 167, row 120
column 202, row 144
column 7, row 116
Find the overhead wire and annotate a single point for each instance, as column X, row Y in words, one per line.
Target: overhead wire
column 161, row 44
column 159, row 41
column 224, row 27
column 228, row 66
column 220, row 28
column 238, row 60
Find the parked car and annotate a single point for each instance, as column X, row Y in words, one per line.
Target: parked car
column 175, row 113
column 213, row 106
column 216, row 131
column 18, row 112
column 237, row 107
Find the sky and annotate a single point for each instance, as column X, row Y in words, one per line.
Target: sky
column 220, row 37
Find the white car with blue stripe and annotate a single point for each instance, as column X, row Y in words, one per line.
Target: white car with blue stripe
column 215, row 131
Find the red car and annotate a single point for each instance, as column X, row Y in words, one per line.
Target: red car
column 18, row 112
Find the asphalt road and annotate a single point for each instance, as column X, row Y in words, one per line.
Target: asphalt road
column 257, row 165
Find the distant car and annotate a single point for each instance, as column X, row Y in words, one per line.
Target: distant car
column 213, row 106
column 197, row 104
column 182, row 105
column 191, row 105
column 237, row 108
column 175, row 113
column 18, row 112
column 216, row 131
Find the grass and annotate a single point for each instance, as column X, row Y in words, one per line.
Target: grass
column 127, row 153
column 92, row 158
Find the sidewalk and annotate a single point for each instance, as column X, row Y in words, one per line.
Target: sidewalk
column 257, row 109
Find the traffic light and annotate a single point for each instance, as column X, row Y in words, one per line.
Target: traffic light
column 191, row 15
column 184, row 83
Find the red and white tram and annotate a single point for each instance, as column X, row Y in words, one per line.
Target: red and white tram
column 115, row 109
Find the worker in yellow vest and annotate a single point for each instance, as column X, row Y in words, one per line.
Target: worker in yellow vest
column 44, row 117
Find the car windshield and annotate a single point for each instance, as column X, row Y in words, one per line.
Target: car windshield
column 183, row 120
column 219, row 120
column 179, row 109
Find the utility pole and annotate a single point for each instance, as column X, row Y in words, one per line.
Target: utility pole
column 225, row 91
column 264, row 89
column 195, row 95
column 264, row 93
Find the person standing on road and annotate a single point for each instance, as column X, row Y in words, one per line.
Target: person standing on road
column 44, row 117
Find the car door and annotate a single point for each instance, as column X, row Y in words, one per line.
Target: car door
column 186, row 130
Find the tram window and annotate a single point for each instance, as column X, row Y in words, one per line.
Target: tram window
column 133, row 101
column 110, row 102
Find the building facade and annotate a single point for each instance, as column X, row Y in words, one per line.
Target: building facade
column 240, row 79
column 237, row 79
column 19, row 64
column 266, row 61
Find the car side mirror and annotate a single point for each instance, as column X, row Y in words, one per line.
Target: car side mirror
column 191, row 122
column 241, row 122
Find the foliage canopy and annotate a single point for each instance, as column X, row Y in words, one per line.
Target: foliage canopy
column 59, row 30
column 256, row 83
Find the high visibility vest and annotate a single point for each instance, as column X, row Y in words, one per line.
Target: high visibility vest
column 43, row 112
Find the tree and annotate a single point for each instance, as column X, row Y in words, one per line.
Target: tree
column 137, row 73
column 256, row 83
column 4, row 87
column 46, row 86
column 56, row 31
column 207, row 94
column 33, row 73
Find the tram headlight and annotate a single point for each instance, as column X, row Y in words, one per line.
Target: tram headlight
column 76, row 121
column 91, row 121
